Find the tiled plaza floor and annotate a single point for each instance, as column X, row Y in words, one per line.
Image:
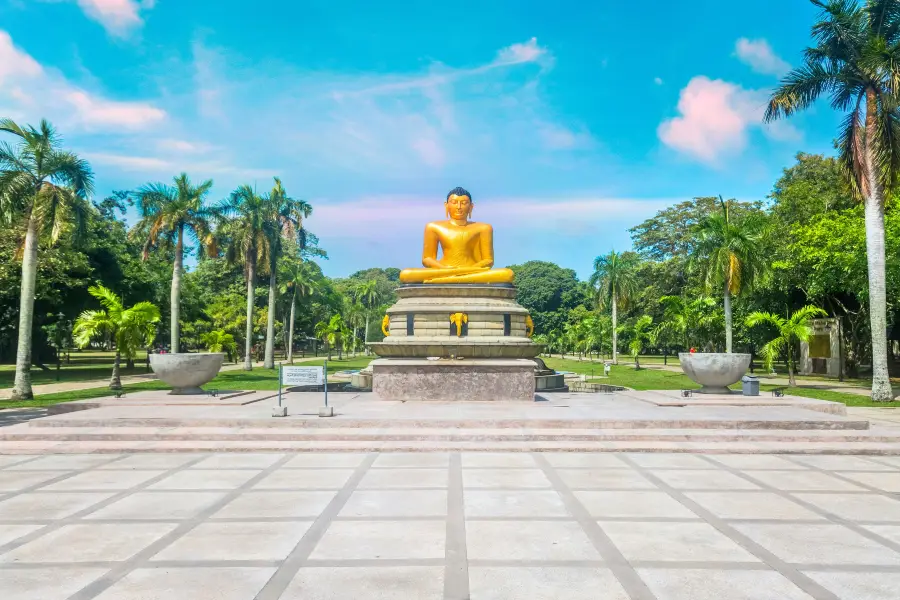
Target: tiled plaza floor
column 423, row 526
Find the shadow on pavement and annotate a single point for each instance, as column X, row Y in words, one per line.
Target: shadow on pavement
column 20, row 415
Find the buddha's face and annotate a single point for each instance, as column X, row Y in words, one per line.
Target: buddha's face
column 458, row 208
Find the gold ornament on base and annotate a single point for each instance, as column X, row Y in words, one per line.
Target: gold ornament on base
column 459, row 319
column 386, row 325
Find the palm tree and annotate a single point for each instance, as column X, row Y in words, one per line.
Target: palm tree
column 296, row 280
column 331, row 332
column 370, row 296
column 354, row 316
column 729, row 256
column 285, row 217
column 43, row 190
column 855, row 63
column 246, row 229
column 641, row 334
column 219, row 341
column 682, row 319
column 131, row 328
column 167, row 214
column 615, row 280
column 796, row 327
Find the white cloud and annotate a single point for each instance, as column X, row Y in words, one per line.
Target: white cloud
column 758, row 54
column 520, row 53
column 658, row 80
column 118, row 17
column 715, row 119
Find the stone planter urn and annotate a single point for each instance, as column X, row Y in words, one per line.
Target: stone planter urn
column 186, row 372
column 715, row 371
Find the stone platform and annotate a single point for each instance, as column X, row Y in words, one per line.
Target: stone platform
column 495, row 380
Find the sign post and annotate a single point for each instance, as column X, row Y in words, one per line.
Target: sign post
column 302, row 376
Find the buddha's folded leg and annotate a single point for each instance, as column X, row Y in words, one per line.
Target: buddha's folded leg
column 487, row 276
column 427, row 274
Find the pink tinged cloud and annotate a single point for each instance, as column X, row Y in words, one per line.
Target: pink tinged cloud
column 760, row 57
column 15, row 63
column 95, row 111
column 118, row 17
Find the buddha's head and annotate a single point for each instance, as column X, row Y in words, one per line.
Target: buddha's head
column 459, row 204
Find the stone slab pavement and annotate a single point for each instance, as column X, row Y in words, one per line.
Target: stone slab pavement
column 449, row 526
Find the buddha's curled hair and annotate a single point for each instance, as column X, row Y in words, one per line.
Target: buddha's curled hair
column 458, row 191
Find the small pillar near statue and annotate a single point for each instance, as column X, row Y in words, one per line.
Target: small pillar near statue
column 822, row 354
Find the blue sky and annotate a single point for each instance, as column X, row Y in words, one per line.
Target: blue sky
column 568, row 122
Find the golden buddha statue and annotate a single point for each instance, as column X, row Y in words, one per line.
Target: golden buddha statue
column 467, row 248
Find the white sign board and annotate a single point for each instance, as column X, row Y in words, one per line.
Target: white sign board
column 302, row 376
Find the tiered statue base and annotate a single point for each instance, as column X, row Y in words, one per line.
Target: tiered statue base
column 481, row 380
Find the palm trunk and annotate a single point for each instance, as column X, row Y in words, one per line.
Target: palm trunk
column 615, row 335
column 366, row 335
column 269, row 362
column 792, row 381
column 290, row 342
column 248, row 343
column 355, row 338
column 22, row 384
column 175, row 297
column 727, row 319
column 875, row 255
column 115, row 382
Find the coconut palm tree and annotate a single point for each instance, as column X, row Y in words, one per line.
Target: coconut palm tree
column 854, row 62
column 796, row 327
column 369, row 295
column 43, row 192
column 131, row 328
column 246, row 229
column 296, row 280
column 285, row 217
column 168, row 213
column 615, row 281
column 729, row 257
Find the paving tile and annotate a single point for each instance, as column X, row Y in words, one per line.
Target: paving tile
column 305, row 479
column 9, row 533
column 150, row 461
column 518, row 503
column 436, row 460
column 205, row 480
column 396, row 503
column 238, row 460
column 236, row 541
column 171, row 506
column 42, row 505
column 841, row 463
column 404, row 478
column 89, row 542
column 64, row 462
column 368, row 583
column 653, row 460
column 585, row 460
column 382, row 539
column 505, row 478
column 13, row 481
column 827, row 544
column 804, row 481
column 755, row 462
column 323, row 459
column 890, row 532
column 705, row 479
column 715, row 584
column 102, row 480
column 605, row 479
column 856, row 507
column 528, row 540
column 751, row 505
column 7, row 460
column 859, row 586
column 544, row 583
column 220, row 583
column 632, row 504
column 481, row 460
column 674, row 542
column 277, row 504
column 48, row 583
column 888, row 482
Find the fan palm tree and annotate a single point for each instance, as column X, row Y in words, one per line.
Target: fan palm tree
column 614, row 278
column 43, row 191
column 285, row 217
column 297, row 280
column 167, row 214
column 246, row 230
column 729, row 257
column 796, row 327
column 131, row 328
column 855, row 63
column 370, row 296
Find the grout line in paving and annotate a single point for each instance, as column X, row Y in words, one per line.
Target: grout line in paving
column 838, row 475
column 140, row 559
column 793, row 575
column 277, row 584
column 77, row 516
column 58, row 478
column 23, row 461
column 833, row 518
column 456, row 567
column 375, row 562
column 623, row 571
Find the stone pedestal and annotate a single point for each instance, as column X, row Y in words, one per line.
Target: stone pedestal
column 821, row 355
column 484, row 380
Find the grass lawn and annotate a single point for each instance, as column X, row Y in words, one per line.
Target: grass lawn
column 83, row 366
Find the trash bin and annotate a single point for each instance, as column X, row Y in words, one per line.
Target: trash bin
column 750, row 385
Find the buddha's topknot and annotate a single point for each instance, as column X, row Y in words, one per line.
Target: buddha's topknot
column 458, row 191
